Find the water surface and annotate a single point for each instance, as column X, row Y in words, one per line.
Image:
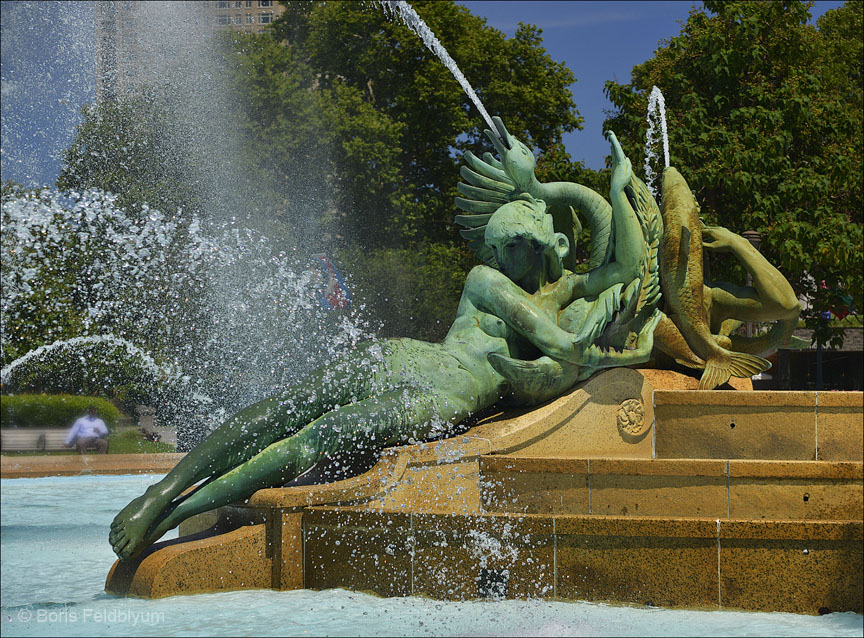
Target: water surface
column 55, row 557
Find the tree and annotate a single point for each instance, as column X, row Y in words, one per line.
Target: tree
column 374, row 122
column 352, row 132
column 389, row 114
column 765, row 122
column 122, row 147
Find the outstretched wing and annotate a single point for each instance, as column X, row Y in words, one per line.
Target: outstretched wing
column 487, row 189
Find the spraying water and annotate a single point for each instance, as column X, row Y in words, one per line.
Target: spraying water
column 656, row 117
column 167, row 371
column 182, row 310
column 406, row 13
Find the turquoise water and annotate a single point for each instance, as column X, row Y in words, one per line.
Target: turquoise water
column 55, row 556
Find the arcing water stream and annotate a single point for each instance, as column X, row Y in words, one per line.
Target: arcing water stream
column 406, row 13
column 656, row 117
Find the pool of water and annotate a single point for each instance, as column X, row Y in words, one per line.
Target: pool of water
column 55, row 557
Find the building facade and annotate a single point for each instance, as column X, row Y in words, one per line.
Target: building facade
column 136, row 39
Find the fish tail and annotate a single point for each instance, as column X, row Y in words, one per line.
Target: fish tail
column 739, row 364
column 690, row 364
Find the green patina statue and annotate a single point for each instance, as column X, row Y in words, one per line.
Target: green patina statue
column 401, row 390
column 527, row 329
column 699, row 317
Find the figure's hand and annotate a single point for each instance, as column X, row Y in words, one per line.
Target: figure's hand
column 720, row 239
column 645, row 341
column 596, row 357
column 622, row 169
column 533, row 382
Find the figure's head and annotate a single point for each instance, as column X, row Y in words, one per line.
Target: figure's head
column 525, row 245
column 92, row 411
column 520, row 164
column 518, row 159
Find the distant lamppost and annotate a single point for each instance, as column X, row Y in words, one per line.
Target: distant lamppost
column 755, row 239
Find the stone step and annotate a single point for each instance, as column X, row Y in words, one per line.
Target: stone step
column 767, row 565
column 805, row 567
column 751, row 489
column 714, row 424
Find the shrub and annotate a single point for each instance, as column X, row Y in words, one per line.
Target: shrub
column 52, row 410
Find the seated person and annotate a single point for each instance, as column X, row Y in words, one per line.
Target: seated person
column 89, row 431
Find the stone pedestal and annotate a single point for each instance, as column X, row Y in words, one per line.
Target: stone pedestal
column 615, row 492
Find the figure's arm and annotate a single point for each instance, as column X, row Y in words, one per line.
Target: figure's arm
column 73, row 433
column 596, row 357
column 630, row 247
column 492, row 292
column 770, row 299
column 533, row 382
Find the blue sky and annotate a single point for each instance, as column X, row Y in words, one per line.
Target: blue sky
column 598, row 41
column 47, row 67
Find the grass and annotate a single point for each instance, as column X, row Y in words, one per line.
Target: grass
column 132, row 442
column 849, row 321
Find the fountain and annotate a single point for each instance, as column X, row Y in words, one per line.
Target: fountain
column 656, row 117
column 210, row 345
column 596, row 482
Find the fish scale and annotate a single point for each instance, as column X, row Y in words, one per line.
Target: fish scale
column 681, row 280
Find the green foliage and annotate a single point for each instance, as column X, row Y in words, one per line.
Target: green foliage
column 351, row 131
column 341, row 91
column 410, row 292
column 122, row 146
column 52, row 410
column 765, row 122
column 68, row 271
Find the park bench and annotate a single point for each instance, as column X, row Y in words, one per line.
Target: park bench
column 33, row 439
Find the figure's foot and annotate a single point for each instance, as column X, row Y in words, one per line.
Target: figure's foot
column 129, row 528
column 165, row 523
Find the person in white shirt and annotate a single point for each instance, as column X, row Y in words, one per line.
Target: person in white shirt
column 89, row 431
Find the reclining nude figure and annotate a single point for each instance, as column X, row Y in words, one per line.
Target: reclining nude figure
column 399, row 390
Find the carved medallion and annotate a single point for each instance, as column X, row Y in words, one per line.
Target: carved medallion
column 631, row 419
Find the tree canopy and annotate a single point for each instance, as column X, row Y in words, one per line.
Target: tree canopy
column 121, row 147
column 765, row 122
column 384, row 115
column 352, row 132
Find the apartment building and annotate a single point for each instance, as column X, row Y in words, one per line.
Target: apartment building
column 136, row 40
column 244, row 15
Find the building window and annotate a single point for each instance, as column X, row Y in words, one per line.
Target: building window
column 238, row 19
column 250, row 19
column 248, row 3
column 223, row 20
column 238, row 4
column 265, row 3
column 265, row 18
column 223, row 4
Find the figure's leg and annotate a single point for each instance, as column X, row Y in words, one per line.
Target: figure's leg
column 243, row 436
column 373, row 423
column 101, row 446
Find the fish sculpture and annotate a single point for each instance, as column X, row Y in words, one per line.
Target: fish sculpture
column 681, row 281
